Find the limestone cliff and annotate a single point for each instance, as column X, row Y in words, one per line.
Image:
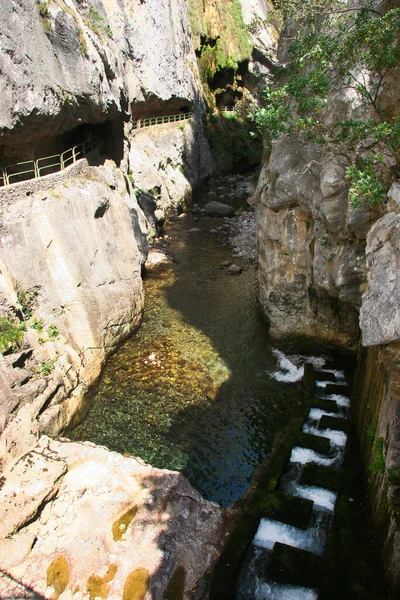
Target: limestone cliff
column 72, row 243
column 71, row 259
column 72, row 247
column 67, row 63
column 329, row 272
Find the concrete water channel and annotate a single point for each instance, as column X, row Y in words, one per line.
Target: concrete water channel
column 200, row 389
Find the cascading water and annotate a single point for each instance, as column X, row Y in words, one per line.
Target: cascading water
column 252, row 581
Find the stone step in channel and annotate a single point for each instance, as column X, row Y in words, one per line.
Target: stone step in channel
column 284, row 561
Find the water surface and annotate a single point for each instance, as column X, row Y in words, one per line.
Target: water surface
column 192, row 390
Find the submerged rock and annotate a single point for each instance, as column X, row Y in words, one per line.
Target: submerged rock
column 235, row 269
column 218, row 209
column 97, row 521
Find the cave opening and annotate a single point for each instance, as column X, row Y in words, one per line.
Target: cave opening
column 50, row 154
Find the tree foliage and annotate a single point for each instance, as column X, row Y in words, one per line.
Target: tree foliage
column 340, row 46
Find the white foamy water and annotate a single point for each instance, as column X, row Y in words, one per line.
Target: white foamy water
column 305, row 455
column 322, row 383
column 316, row 413
column 312, row 539
column 320, row 496
column 317, row 361
column 339, row 399
column 269, row 532
column 337, row 373
column 269, row 590
column 334, row 435
column 288, row 372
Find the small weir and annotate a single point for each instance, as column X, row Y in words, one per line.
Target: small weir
column 276, row 543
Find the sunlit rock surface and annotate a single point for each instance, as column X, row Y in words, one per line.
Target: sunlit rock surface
column 78, row 63
column 92, row 523
column 79, row 246
column 311, row 246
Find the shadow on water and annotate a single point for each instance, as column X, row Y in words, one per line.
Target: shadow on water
column 192, row 390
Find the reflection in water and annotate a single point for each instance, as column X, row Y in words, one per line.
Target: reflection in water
column 191, row 391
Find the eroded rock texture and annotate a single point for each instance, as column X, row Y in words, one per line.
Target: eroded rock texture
column 329, row 272
column 91, row 523
column 312, row 246
column 76, row 62
column 72, row 244
column 78, row 248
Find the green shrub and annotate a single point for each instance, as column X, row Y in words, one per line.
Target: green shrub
column 27, row 300
column 96, row 23
column 370, row 433
column 10, row 335
column 52, row 331
column 355, row 49
column 44, row 14
column 47, row 367
column 37, row 324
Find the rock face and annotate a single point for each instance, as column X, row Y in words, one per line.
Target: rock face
column 259, row 18
column 311, row 246
column 166, row 163
column 379, row 315
column 76, row 250
column 91, row 523
column 72, row 244
column 376, row 409
column 329, row 272
column 71, row 62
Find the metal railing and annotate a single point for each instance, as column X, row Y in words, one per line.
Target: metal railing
column 140, row 123
column 226, row 108
column 33, row 169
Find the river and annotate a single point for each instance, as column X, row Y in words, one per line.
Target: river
column 199, row 389
column 194, row 389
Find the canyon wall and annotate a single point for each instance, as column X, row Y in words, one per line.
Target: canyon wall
column 72, row 244
column 328, row 272
column 77, row 520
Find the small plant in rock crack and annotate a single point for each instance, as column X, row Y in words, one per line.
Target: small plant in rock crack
column 11, row 335
column 52, row 331
column 378, row 463
column 96, row 23
column 47, row 367
column 27, row 300
column 44, row 14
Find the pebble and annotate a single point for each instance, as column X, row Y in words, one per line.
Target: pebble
column 194, row 230
column 235, row 269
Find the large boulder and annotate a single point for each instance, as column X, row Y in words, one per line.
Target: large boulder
column 219, row 209
column 71, row 251
column 92, row 523
column 380, row 310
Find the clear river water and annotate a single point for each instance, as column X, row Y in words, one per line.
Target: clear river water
column 194, row 389
column 199, row 389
